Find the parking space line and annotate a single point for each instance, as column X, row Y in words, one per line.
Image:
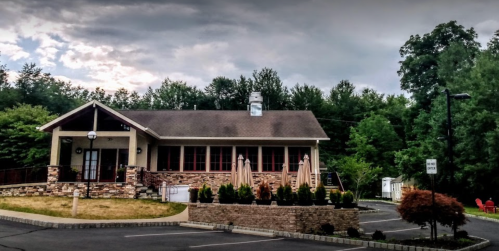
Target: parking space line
column 367, row 222
column 401, row 230
column 234, row 243
column 351, row 249
column 144, row 235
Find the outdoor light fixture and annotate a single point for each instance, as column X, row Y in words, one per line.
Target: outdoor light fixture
column 91, row 136
column 449, row 129
column 139, row 150
column 78, row 150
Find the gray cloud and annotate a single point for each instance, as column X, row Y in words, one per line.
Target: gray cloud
column 317, row 42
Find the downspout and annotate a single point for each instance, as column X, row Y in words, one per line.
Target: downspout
column 316, row 163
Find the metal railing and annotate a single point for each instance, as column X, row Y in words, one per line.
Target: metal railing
column 23, row 175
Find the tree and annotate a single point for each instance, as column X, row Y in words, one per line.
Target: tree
column 243, row 89
column 175, row 95
column 357, row 174
column 275, row 95
column 375, row 140
column 20, row 142
column 100, row 95
column 416, row 207
column 222, row 90
column 306, row 97
column 419, row 69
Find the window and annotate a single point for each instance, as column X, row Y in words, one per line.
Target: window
column 194, row 158
column 295, row 154
column 220, row 158
column 250, row 153
column 168, row 158
column 272, row 159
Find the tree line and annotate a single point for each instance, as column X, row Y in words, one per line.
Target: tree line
column 373, row 135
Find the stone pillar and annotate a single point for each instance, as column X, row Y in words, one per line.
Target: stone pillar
column 131, row 182
column 52, row 178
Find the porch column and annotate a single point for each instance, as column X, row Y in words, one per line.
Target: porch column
column 56, row 147
column 286, row 157
column 132, row 148
column 260, row 158
column 181, row 158
column 207, row 159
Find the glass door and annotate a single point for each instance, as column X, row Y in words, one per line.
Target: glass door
column 108, row 165
column 90, row 165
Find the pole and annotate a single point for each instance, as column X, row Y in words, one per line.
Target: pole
column 76, row 194
column 89, row 169
column 433, row 207
column 163, row 194
column 449, row 143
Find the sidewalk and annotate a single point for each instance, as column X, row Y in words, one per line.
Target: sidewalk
column 56, row 222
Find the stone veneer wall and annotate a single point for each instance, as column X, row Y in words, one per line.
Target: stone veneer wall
column 213, row 179
column 301, row 219
column 66, row 189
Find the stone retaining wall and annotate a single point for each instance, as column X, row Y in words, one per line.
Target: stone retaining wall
column 97, row 190
column 303, row 219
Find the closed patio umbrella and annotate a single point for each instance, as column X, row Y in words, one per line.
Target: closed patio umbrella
column 248, row 174
column 233, row 177
column 240, row 171
column 307, row 172
column 284, row 178
column 300, row 178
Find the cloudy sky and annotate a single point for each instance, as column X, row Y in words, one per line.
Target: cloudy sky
column 136, row 44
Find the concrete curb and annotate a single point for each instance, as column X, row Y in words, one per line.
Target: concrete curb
column 47, row 224
column 382, row 201
column 481, row 218
column 192, row 225
column 257, row 233
column 373, row 244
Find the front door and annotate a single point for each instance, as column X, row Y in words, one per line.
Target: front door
column 90, row 165
column 108, row 165
column 122, row 163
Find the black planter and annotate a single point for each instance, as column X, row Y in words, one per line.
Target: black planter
column 264, row 202
column 226, row 201
column 345, row 205
column 320, row 202
column 245, row 202
column 207, row 200
column 284, row 202
column 305, row 203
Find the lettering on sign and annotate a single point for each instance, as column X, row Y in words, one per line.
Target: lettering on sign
column 431, row 166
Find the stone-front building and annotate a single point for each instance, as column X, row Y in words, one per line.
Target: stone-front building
column 188, row 147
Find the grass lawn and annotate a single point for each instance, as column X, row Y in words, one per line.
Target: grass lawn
column 95, row 209
column 474, row 211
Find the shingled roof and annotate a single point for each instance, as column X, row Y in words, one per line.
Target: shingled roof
column 225, row 124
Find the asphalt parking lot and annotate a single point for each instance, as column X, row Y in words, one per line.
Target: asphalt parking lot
column 17, row 236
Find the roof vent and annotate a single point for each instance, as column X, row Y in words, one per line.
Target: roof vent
column 255, row 100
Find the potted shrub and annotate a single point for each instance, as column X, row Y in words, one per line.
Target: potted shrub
column 320, row 195
column 245, row 194
column 348, row 200
column 285, row 195
column 335, row 196
column 304, row 195
column 193, row 194
column 205, row 194
column 263, row 194
column 226, row 194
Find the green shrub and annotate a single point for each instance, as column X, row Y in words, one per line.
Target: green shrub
column 288, row 192
column 335, row 196
column 304, row 195
column 222, row 192
column 347, row 197
column 231, row 194
column 320, row 192
column 263, row 192
column 280, row 192
column 245, row 193
column 205, row 192
column 353, row 233
column 379, row 236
